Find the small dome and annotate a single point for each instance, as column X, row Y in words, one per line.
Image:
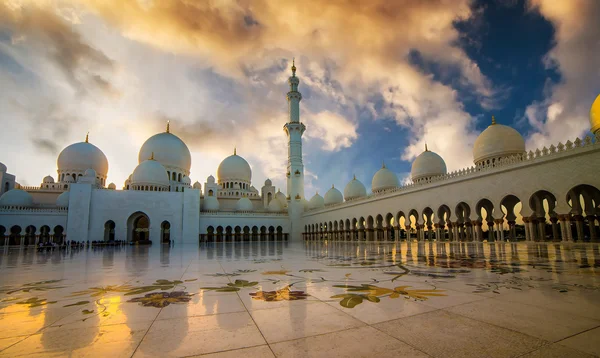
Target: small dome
column 210, row 203
column 428, row 164
column 82, row 156
column 316, row 202
column 112, row 186
column 150, row 172
column 210, row 179
column 244, row 204
column 197, row 185
column 384, row 179
column 305, row 204
column 48, row 180
column 186, row 180
column 594, row 116
column 233, row 168
column 16, row 197
column 268, row 182
column 168, row 149
column 354, row 189
column 333, row 196
column 275, row 206
column 63, row 200
column 282, row 198
column 3, row 168
column 497, row 141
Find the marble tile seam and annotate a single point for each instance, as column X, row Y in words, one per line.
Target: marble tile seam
column 224, row 351
column 249, row 314
column 155, row 318
column 17, row 342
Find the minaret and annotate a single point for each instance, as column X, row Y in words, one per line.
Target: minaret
column 294, row 130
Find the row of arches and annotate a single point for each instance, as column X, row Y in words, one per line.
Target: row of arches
column 30, row 235
column 246, row 233
column 484, row 221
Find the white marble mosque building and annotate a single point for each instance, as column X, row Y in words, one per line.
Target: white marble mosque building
column 553, row 191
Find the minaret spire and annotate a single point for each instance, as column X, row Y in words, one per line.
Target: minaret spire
column 294, row 130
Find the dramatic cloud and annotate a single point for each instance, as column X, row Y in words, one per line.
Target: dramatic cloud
column 564, row 113
column 218, row 71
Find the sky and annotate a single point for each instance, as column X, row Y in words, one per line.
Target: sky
column 379, row 79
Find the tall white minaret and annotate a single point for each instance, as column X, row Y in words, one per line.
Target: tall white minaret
column 294, row 130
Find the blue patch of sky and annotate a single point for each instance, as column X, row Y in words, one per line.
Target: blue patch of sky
column 508, row 42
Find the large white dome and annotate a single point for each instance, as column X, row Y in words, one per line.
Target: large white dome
column 333, row 196
column 316, row 202
column 497, row 141
column 275, row 206
column 81, row 156
column 234, row 168
column 384, row 179
column 63, row 200
column 169, row 150
column 244, row 204
column 354, row 189
column 150, row 172
column 16, row 197
column 428, row 164
column 281, row 198
column 210, row 203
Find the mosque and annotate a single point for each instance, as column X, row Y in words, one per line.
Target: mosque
column 552, row 191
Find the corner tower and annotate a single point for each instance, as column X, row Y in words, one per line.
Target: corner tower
column 294, row 130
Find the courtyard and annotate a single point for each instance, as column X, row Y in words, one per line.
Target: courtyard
column 266, row 299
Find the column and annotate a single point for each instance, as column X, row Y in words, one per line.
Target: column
column 501, row 228
column 579, row 226
column 526, row 224
column 541, row 223
column 555, row 228
column 563, row 227
column 592, row 225
column 386, row 234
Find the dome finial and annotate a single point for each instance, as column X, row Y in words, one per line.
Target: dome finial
column 427, row 150
column 152, row 155
column 293, row 67
column 354, row 177
column 234, row 150
column 382, row 164
column 493, row 120
column 168, row 122
column 87, row 137
column 332, row 186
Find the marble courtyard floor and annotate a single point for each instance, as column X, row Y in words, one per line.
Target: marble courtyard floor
column 303, row 300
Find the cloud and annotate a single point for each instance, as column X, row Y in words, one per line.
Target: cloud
column 46, row 33
column 564, row 112
column 218, row 70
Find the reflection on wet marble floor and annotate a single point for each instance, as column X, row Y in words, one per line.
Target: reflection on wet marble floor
column 303, row 300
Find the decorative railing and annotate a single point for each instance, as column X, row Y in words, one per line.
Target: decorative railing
column 244, row 213
column 497, row 165
column 34, row 209
column 41, row 188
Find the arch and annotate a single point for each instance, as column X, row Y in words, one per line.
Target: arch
column 255, row 233
column 541, row 199
column 220, row 233
column 271, row 233
column 58, row 234
column 279, row 233
column 45, row 234
column 584, row 200
column 263, row 233
column 165, row 232
column 237, row 233
column 30, row 235
column 228, row 233
column 210, row 234
column 109, row 230
column 173, row 176
column 138, row 227
column 14, row 237
column 269, row 197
